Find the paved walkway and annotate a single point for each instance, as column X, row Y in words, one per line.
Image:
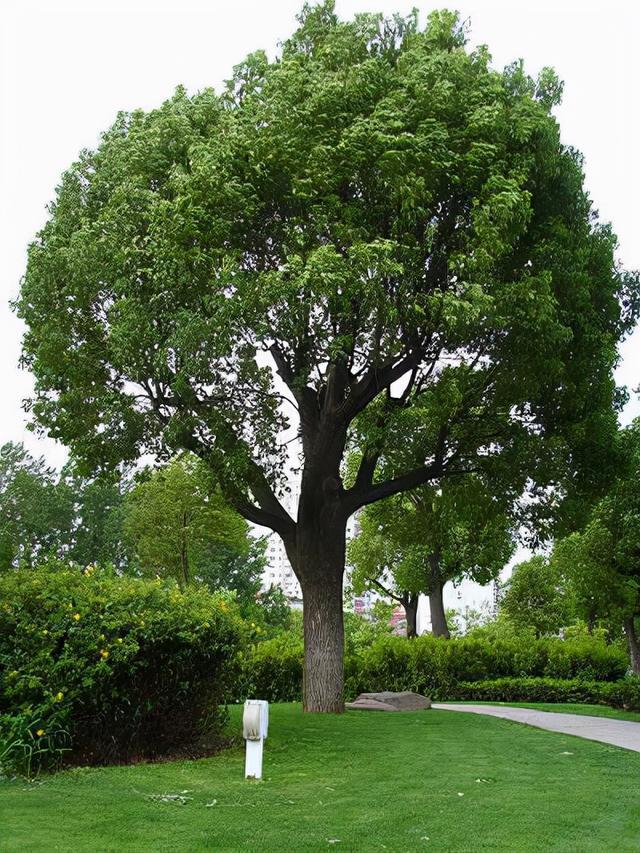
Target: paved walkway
column 622, row 733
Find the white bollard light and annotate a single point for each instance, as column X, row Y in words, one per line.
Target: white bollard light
column 255, row 724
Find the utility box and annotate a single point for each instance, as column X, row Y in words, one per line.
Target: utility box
column 255, row 726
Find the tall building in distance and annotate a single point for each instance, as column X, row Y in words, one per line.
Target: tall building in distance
column 279, row 571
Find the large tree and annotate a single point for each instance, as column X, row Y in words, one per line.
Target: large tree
column 375, row 214
column 416, row 542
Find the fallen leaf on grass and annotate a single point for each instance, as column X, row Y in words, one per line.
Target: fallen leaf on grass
column 170, row 798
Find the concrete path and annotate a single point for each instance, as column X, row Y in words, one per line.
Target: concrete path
column 622, row 733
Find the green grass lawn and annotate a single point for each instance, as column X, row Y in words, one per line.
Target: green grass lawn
column 568, row 708
column 432, row 780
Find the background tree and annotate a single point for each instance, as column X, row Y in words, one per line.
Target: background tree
column 535, row 597
column 416, row 542
column 176, row 517
column 375, row 214
column 237, row 567
column 602, row 563
column 98, row 534
column 36, row 508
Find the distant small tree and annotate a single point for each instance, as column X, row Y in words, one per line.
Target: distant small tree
column 176, row 516
column 98, row 527
column 417, row 542
column 236, row 566
column 535, row 598
column 36, row 508
column 601, row 564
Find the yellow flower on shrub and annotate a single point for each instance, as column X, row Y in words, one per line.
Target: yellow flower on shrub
column 104, row 654
column 76, row 616
column 59, row 696
column 119, row 640
column 40, row 732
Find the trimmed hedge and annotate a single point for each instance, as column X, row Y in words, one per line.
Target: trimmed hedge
column 272, row 670
column 434, row 666
column 96, row 668
column 619, row 694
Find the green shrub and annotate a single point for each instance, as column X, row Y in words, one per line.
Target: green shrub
column 435, row 666
column 624, row 694
column 431, row 665
column 584, row 657
column 532, row 690
column 272, row 670
column 620, row 694
column 100, row 668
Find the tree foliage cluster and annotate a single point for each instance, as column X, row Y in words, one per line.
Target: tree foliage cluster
column 417, row 542
column 168, row 522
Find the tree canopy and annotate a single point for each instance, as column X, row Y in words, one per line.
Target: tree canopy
column 373, row 237
column 36, row 508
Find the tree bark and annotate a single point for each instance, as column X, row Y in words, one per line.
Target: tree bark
column 323, row 677
column 410, row 604
column 634, row 646
column 439, row 627
column 318, row 557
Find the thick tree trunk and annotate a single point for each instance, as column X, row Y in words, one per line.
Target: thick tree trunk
column 318, row 561
column 439, row 626
column 634, row 646
column 410, row 604
column 323, row 678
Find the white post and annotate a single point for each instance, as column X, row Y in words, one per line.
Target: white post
column 253, row 759
column 255, row 725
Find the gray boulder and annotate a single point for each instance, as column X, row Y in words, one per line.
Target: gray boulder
column 386, row 700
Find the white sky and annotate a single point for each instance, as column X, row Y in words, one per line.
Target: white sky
column 68, row 67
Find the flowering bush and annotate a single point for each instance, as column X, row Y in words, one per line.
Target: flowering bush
column 99, row 668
